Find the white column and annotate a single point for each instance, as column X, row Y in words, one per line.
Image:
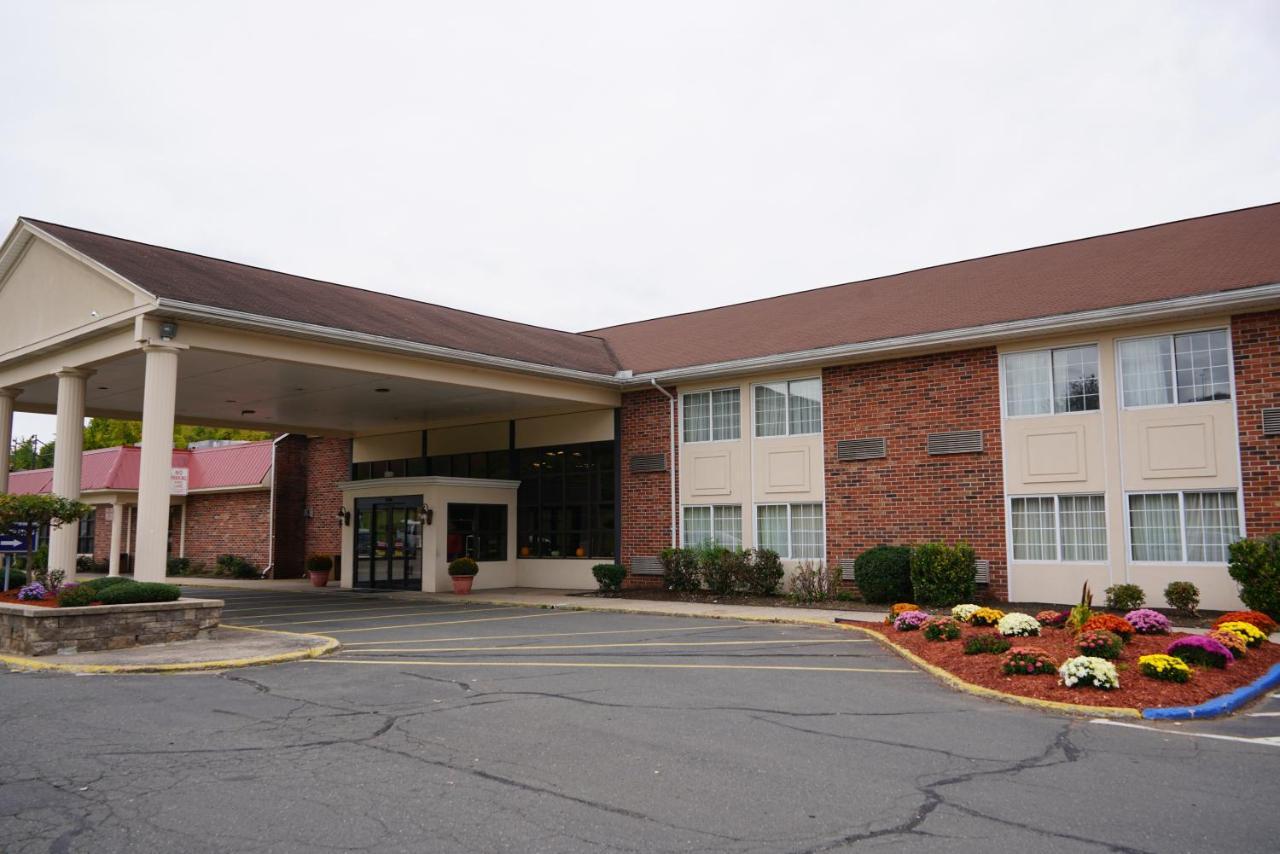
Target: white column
column 7, row 396
column 159, row 398
column 117, row 512
column 67, row 450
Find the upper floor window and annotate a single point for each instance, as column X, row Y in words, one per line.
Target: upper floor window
column 1189, row 368
column 1051, row 381
column 789, row 408
column 712, row 416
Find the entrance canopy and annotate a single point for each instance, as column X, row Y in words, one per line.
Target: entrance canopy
column 97, row 326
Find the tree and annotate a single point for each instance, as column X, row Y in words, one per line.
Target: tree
column 36, row 511
column 29, row 453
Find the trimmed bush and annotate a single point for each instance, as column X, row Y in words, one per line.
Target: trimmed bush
column 131, row 592
column 1164, row 667
column 718, row 568
column 1027, row 661
column 234, row 566
column 986, row 645
column 177, row 566
column 883, row 574
column 88, row 592
column 609, row 576
column 680, row 570
column 463, row 566
column 1125, row 597
column 319, row 563
column 761, row 572
column 941, row 574
column 1255, row 566
column 17, row 578
column 1100, row 643
column 941, row 629
column 1183, row 596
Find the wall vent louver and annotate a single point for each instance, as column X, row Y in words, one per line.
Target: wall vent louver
column 861, row 449
column 649, row 462
column 956, row 442
column 646, row 566
column 982, row 571
column 846, row 569
column 1271, row 421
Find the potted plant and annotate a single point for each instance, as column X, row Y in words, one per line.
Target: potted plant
column 462, row 572
column 318, row 568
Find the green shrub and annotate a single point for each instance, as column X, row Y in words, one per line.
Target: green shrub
column 1255, row 566
column 761, row 572
column 84, row 563
column 177, row 566
column 17, row 578
column 1184, row 596
column 717, row 567
column 609, row 576
column 940, row 629
column 986, row 645
column 680, row 570
column 319, row 563
column 234, row 566
column 131, row 592
column 814, row 581
column 942, row 575
column 883, row 574
column 464, row 566
column 1125, row 597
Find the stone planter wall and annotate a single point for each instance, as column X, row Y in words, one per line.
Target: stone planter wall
column 28, row 630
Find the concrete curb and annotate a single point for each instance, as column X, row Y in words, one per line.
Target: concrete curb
column 330, row 644
column 990, row 693
column 558, row 606
column 1224, row 705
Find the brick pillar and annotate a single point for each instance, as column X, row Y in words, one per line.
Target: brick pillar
column 1255, row 344
column 646, row 496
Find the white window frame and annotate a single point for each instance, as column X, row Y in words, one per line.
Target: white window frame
column 1057, row 526
column 755, row 527
column 1053, row 397
column 715, row 512
column 1182, row 523
column 1173, row 367
column 711, row 415
column 787, row 416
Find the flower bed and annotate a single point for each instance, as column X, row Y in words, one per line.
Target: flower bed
column 1135, row 691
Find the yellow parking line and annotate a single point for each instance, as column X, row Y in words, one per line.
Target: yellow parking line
column 616, row 665
column 382, row 616
column 717, row 627
column 617, row 645
column 454, row 622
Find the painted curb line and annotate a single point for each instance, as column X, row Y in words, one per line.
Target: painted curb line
column 329, row 645
column 992, row 694
column 1224, row 705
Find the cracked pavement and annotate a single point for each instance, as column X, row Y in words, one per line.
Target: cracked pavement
column 516, row 730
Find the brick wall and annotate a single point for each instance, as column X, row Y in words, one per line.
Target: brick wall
column 1255, row 342
column 911, row 497
column 289, row 531
column 646, row 496
column 328, row 464
column 102, row 532
column 228, row 523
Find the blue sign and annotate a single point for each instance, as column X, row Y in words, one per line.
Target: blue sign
column 14, row 541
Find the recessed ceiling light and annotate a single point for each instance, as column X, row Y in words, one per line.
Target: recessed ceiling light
column 103, row 388
column 228, row 401
column 382, row 390
column 248, row 411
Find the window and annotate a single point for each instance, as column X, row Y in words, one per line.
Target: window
column 1059, row 527
column 720, row 524
column 566, row 501
column 1190, row 368
column 789, row 408
column 713, row 416
column 792, row 530
column 478, row 531
column 1051, row 381
column 1183, row 526
column 84, row 545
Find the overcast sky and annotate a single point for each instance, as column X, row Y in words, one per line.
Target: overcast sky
column 582, row 164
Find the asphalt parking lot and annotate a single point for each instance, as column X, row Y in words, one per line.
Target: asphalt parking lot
column 481, row 727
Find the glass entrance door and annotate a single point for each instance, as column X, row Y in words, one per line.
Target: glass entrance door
column 388, row 545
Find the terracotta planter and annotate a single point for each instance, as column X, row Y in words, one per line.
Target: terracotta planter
column 319, row 579
column 462, row 583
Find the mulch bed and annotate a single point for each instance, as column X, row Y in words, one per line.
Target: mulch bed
column 1135, row 691
column 10, row 597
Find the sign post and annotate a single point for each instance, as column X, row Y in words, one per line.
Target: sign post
column 13, row 541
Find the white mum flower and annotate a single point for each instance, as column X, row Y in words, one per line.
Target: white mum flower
column 964, row 613
column 1095, row 671
column 1018, row 625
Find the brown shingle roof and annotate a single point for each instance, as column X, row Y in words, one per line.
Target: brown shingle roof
column 1209, row 254
column 175, row 275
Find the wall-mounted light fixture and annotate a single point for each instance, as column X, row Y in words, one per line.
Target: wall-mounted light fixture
column 428, row 513
column 344, row 517
column 168, row 330
column 306, row 513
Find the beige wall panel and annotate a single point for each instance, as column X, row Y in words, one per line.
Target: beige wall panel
column 1217, row 591
column 787, row 469
column 711, row 474
column 1054, row 453
column 558, row 574
column 1057, row 583
column 389, row 446
column 492, row 436
column 595, row 426
column 48, row 293
column 1179, row 447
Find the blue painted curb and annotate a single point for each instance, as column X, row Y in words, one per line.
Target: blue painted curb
column 1224, row 705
